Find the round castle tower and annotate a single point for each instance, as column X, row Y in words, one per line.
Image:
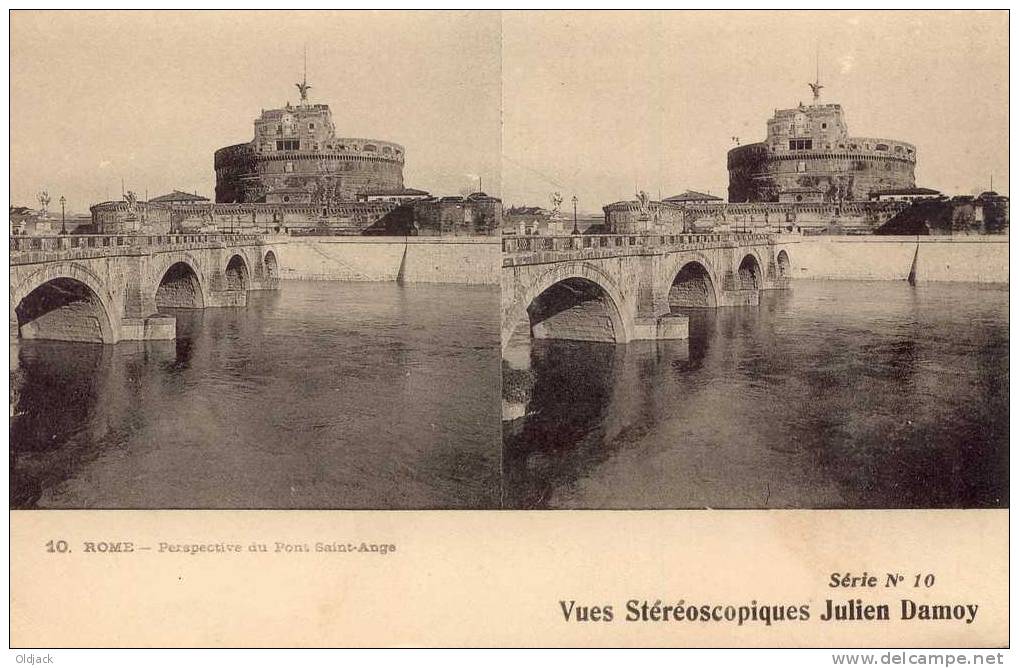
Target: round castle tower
column 809, row 156
column 296, row 157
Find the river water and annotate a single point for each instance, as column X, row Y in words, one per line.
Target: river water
column 829, row 395
column 321, row 395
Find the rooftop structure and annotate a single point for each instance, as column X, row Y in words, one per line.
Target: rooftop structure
column 692, row 196
column 179, row 196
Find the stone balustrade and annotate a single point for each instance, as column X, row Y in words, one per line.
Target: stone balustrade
column 637, row 242
column 36, row 249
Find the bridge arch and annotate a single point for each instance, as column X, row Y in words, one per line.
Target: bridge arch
column 236, row 273
column 166, row 262
column 573, row 300
column 692, row 283
column 180, row 287
column 63, row 301
column 271, row 264
column 782, row 264
column 750, row 272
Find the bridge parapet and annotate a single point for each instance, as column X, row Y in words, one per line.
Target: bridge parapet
column 31, row 250
column 543, row 249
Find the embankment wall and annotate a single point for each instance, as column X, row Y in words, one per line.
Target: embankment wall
column 980, row 259
column 468, row 260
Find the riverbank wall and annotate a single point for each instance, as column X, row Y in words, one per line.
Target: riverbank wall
column 465, row 260
column 978, row 259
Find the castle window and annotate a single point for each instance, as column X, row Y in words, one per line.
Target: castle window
column 286, row 198
column 288, row 144
column 824, row 126
column 881, row 147
column 288, row 167
column 800, row 144
column 801, row 166
column 311, row 126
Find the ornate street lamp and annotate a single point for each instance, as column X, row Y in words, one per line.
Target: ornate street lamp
column 575, row 229
column 63, row 222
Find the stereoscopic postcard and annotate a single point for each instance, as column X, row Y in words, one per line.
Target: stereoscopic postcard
column 481, row 328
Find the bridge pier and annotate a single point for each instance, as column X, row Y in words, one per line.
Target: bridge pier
column 227, row 299
column 663, row 327
column 151, row 328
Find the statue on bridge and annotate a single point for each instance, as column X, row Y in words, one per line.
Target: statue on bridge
column 557, row 201
column 644, row 205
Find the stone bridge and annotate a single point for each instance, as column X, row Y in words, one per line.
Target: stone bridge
column 106, row 288
column 620, row 288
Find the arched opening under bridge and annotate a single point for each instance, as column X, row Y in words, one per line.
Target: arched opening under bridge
column 692, row 287
column 576, row 309
column 236, row 274
column 180, row 287
column 783, row 264
column 64, row 309
column 749, row 273
column 272, row 269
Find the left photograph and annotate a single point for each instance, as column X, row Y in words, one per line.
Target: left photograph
column 254, row 260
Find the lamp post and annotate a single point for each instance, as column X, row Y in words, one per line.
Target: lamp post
column 63, row 222
column 575, row 230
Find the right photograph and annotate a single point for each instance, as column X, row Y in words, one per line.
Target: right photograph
column 755, row 260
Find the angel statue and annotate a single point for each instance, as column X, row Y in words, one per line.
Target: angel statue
column 557, row 201
column 44, row 200
column 644, row 205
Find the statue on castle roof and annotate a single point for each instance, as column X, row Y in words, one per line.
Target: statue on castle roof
column 815, row 88
column 303, row 87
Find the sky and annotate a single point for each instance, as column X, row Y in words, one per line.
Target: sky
column 604, row 103
column 596, row 104
column 148, row 97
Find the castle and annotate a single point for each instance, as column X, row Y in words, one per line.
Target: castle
column 809, row 156
column 809, row 175
column 296, row 157
column 296, row 176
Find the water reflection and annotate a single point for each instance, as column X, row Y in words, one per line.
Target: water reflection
column 834, row 394
column 325, row 395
